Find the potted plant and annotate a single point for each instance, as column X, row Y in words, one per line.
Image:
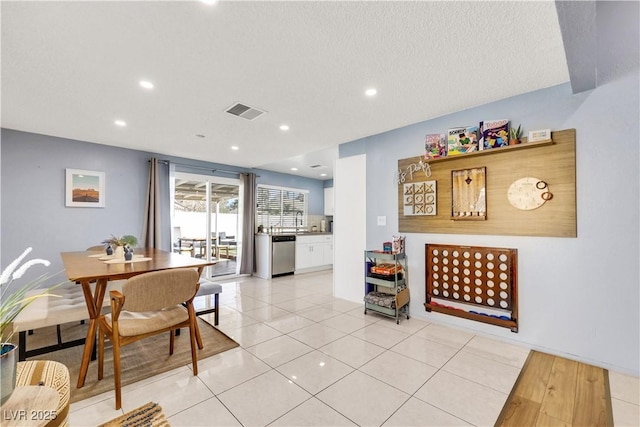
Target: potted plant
column 11, row 305
column 514, row 135
column 118, row 244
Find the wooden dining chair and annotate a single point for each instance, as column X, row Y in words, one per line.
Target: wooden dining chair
column 149, row 304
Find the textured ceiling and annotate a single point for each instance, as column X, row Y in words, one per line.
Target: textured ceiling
column 70, row 69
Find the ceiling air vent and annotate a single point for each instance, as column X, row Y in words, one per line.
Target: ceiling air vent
column 316, row 166
column 244, row 111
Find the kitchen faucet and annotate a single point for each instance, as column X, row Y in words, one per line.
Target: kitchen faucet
column 299, row 212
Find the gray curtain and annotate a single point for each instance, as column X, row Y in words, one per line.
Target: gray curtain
column 247, row 257
column 152, row 226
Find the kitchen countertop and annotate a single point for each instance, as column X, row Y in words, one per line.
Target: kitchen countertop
column 306, row 233
column 310, row 251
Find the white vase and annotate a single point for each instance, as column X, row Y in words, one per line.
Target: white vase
column 8, row 363
column 119, row 252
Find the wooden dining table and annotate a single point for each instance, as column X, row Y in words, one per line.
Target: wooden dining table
column 85, row 268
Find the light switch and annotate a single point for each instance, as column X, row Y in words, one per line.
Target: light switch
column 382, row 220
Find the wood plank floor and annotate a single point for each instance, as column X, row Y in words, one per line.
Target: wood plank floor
column 554, row 391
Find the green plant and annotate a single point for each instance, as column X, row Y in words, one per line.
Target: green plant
column 12, row 304
column 515, row 133
column 126, row 240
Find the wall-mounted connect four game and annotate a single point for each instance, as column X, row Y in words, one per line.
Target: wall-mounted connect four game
column 481, row 282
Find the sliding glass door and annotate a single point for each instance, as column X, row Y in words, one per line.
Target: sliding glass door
column 205, row 219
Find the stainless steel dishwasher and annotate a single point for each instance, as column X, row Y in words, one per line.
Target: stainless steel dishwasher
column 283, row 255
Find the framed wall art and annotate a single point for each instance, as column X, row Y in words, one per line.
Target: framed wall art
column 469, row 194
column 84, row 189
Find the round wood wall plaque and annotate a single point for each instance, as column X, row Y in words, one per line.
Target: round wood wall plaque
column 527, row 193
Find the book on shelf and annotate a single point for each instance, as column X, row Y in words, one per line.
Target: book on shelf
column 462, row 140
column 494, row 134
column 435, row 146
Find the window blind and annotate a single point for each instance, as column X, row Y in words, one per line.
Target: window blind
column 277, row 207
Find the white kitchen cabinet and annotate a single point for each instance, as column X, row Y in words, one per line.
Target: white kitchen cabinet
column 263, row 256
column 327, row 252
column 304, row 255
column 328, row 201
column 314, row 251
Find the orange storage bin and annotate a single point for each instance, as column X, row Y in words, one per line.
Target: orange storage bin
column 386, row 269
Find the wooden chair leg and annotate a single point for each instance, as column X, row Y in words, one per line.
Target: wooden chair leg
column 171, row 340
column 198, row 337
column 192, row 336
column 22, row 346
column 216, row 315
column 101, row 338
column 116, row 370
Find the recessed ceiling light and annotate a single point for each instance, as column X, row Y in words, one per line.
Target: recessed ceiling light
column 120, row 123
column 371, row 92
column 323, row 174
column 209, row 2
column 146, row 84
column 284, row 127
column 235, row 147
column 294, row 169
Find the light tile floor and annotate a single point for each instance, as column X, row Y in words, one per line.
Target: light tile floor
column 309, row 359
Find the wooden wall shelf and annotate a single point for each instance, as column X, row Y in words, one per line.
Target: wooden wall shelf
column 523, row 145
column 551, row 161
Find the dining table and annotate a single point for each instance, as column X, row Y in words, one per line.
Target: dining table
column 88, row 267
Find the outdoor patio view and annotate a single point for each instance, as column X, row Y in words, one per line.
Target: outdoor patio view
column 191, row 207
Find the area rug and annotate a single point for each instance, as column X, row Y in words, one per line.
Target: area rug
column 149, row 415
column 139, row 360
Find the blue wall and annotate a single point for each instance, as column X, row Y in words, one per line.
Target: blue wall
column 33, row 195
column 33, row 211
column 578, row 297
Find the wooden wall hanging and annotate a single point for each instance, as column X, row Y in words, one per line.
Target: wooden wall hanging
column 469, row 194
column 553, row 162
column 476, row 279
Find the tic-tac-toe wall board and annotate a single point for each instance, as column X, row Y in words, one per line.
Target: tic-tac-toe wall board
column 480, row 283
column 419, row 198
